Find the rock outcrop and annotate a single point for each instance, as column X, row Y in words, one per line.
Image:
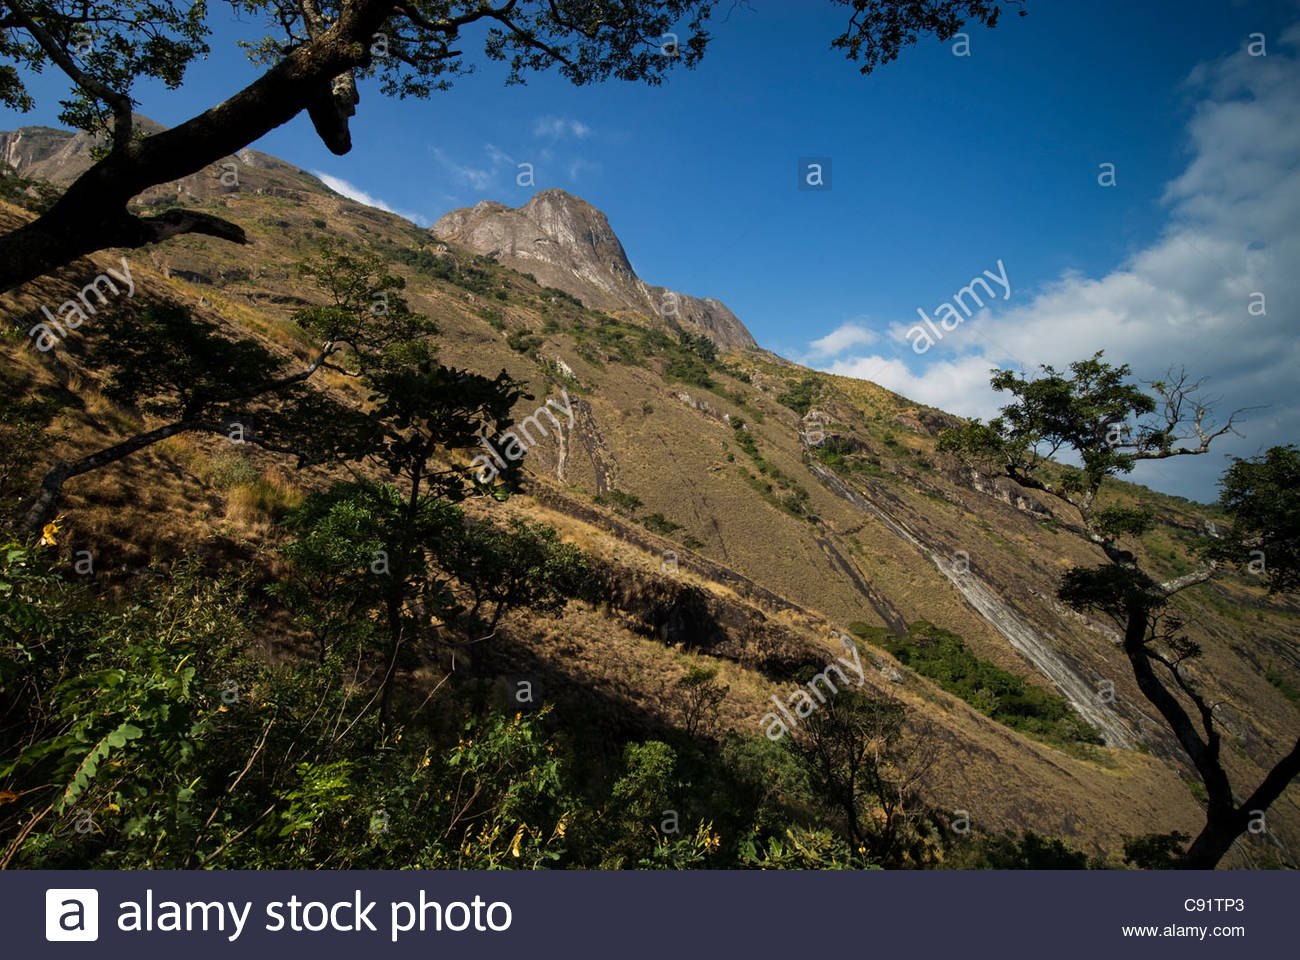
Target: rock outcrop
column 566, row 243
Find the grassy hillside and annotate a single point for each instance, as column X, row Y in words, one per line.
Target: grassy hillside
column 739, row 511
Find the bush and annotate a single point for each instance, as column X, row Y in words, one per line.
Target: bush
column 623, row 502
column 522, row 341
column 943, row 657
column 1156, row 851
column 800, row 397
column 1027, row 852
column 658, row 523
column 688, row 369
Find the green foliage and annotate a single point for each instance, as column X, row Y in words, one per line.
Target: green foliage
column 151, row 667
column 841, row 456
column 1156, row 851
column 555, row 293
column 658, row 523
column 468, row 273
column 690, row 370
column 165, row 744
column 943, row 657
column 1123, row 521
column 329, row 583
column 641, row 823
column 782, row 492
column 1113, row 589
column 115, row 46
column 36, row 195
column 1029, row 851
column 422, row 409
column 1092, row 411
column 801, row 396
column 880, row 29
column 700, row 345
column 803, row 848
column 863, row 770
column 1262, row 497
column 364, row 316
column 623, row 502
column 614, row 340
column 517, row 565
column 745, row 439
column 523, row 340
column 701, row 696
column 974, row 440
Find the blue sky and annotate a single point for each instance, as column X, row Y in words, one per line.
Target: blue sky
column 941, row 166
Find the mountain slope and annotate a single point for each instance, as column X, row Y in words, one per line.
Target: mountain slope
column 792, row 503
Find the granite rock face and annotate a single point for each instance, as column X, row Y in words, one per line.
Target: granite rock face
column 567, row 243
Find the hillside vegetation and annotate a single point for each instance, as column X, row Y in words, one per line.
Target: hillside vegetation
column 325, row 646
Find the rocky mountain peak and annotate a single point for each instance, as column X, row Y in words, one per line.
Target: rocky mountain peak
column 566, row 243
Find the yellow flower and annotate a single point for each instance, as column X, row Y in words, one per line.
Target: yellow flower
column 519, row 835
column 47, row 535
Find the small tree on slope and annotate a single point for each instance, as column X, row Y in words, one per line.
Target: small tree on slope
column 1111, row 425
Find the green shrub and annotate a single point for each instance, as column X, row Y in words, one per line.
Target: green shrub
column 624, row 502
column 522, row 341
column 801, row 396
column 658, row 523
column 943, row 657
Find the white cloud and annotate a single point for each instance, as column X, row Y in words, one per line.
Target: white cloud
column 482, row 178
column 578, row 165
column 959, row 385
column 498, row 156
column 353, row 192
column 558, row 127
column 844, row 337
column 478, row 178
column 1231, row 232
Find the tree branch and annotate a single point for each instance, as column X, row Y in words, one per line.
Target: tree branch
column 142, row 230
column 1278, row 779
column 118, row 102
column 1170, row 587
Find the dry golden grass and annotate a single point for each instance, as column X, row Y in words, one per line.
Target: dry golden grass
column 193, row 491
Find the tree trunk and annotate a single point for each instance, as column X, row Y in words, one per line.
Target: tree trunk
column 1222, row 828
column 1225, row 820
column 394, row 605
